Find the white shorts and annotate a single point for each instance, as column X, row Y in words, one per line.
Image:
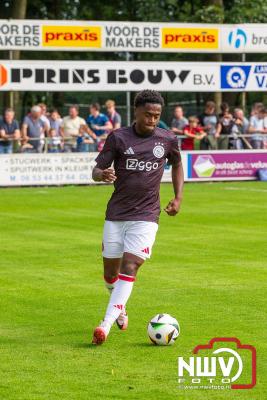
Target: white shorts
column 135, row 237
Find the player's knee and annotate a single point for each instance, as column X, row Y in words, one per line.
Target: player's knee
column 130, row 265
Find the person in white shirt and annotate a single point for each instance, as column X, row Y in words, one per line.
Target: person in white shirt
column 71, row 128
column 257, row 128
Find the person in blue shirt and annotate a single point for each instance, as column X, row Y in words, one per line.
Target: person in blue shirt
column 98, row 123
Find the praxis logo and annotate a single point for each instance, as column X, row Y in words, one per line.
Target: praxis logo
column 237, row 38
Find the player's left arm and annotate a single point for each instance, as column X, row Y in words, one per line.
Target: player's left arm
column 174, row 158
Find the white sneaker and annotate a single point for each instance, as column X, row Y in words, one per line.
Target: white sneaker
column 122, row 320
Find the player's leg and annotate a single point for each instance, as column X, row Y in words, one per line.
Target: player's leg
column 112, row 251
column 111, row 271
column 138, row 242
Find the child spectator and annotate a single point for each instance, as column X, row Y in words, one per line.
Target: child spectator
column 192, row 131
column 53, row 141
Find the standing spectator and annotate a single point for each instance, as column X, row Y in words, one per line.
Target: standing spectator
column 71, row 128
column 255, row 108
column 113, row 115
column 99, row 124
column 209, row 121
column 224, row 127
column 162, row 125
column 192, row 131
column 257, row 127
column 240, row 127
column 179, row 121
column 33, row 128
column 44, row 116
column 9, row 131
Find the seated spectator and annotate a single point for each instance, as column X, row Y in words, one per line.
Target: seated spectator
column 113, row 115
column 258, row 127
column 192, row 131
column 209, row 121
column 71, row 127
column 32, row 131
column 224, row 127
column 240, row 127
column 53, row 141
column 9, row 131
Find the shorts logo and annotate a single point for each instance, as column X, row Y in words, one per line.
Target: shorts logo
column 158, row 150
column 135, row 165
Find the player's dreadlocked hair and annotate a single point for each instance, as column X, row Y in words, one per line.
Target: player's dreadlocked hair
column 148, row 96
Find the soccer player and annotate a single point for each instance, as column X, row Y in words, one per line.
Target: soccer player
column 139, row 154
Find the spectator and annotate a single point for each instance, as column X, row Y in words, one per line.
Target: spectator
column 257, row 127
column 33, row 128
column 9, row 131
column 162, row 124
column 55, row 121
column 240, row 127
column 44, row 116
column 224, row 127
column 209, row 121
column 53, row 141
column 255, row 108
column 179, row 121
column 113, row 115
column 99, row 124
column 71, row 127
column 192, row 131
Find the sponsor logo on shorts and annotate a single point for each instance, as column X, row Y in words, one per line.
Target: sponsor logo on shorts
column 135, row 165
column 71, row 36
column 158, row 150
column 190, row 38
column 3, row 75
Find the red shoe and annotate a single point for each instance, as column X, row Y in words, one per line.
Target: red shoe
column 99, row 336
column 122, row 321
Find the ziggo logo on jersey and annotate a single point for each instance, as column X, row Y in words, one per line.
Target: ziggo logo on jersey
column 134, row 164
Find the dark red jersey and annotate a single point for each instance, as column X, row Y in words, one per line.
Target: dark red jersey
column 139, row 164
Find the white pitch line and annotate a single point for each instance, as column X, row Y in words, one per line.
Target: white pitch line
column 244, row 189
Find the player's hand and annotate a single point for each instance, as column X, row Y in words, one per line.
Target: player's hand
column 173, row 207
column 108, row 175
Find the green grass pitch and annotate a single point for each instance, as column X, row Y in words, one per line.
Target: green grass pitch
column 208, row 269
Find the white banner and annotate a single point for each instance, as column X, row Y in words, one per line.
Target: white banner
column 54, row 169
column 132, row 36
column 131, row 76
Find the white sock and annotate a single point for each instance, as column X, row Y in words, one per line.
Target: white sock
column 119, row 298
column 110, row 283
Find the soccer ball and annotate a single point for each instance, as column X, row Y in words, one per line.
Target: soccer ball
column 163, row 329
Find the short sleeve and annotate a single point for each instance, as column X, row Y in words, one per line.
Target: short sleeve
column 117, row 119
column 174, row 156
column 108, row 153
column 104, row 119
column 82, row 121
column 25, row 121
column 16, row 125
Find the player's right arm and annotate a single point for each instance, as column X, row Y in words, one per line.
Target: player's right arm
column 102, row 171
